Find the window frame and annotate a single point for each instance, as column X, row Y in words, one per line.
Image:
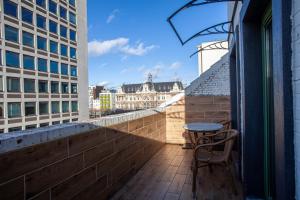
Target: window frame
column 32, row 60
column 25, row 111
column 26, row 36
column 40, row 18
column 32, row 81
column 15, row 13
column 14, row 60
column 40, row 88
column 24, row 18
column 9, row 112
column 39, row 40
column 13, row 35
column 54, row 70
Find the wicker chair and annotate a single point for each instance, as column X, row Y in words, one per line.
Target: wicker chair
column 204, row 156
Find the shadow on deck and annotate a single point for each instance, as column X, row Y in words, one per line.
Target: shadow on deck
column 168, row 176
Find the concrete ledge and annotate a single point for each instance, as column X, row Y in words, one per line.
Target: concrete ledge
column 21, row 139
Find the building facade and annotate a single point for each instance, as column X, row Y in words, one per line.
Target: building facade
column 94, row 92
column 43, row 71
column 146, row 95
column 106, row 101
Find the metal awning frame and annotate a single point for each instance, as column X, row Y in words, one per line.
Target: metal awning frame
column 220, row 45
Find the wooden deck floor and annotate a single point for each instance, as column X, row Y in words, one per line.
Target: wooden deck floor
column 167, row 176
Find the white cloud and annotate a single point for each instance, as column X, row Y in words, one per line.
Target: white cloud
column 103, row 83
column 112, row 16
column 99, row 48
column 155, row 71
column 175, row 65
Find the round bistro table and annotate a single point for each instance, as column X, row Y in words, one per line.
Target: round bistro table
column 204, row 128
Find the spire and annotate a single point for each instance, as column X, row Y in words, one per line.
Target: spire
column 149, row 78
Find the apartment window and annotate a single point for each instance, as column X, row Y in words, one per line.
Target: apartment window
column 63, row 50
column 43, row 86
column 62, row 12
column 72, row 52
column 13, row 84
column 55, row 107
column 42, row 65
column 72, row 2
column 72, row 18
column 41, row 21
column 64, row 88
column 74, row 88
column 53, row 47
column 11, row 34
column 65, row 106
column 73, row 71
column 66, row 121
column 27, row 15
column 41, row 3
column 64, row 69
column 10, row 8
column 1, row 111
column 72, row 35
column 12, row 59
column 53, row 67
column 74, row 106
column 63, row 31
column 43, row 106
column 52, row 26
column 29, row 85
column 54, row 87
column 44, row 125
column 13, row 109
column 1, row 84
column 29, row 127
column 41, row 43
column 56, row 123
column 14, row 129
column 27, row 39
column 30, row 108
column 52, row 7
column 28, row 62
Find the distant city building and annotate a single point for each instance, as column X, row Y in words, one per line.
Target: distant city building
column 105, row 101
column 207, row 58
column 146, row 95
column 94, row 94
column 43, row 65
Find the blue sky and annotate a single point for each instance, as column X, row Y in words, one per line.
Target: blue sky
column 130, row 38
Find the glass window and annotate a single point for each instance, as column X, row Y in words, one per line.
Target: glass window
column 64, row 69
column 13, row 110
column 74, row 106
column 41, row 3
column 74, row 88
column 43, row 86
column 73, row 71
column 63, row 31
column 29, row 127
column 72, row 52
column 56, row 122
column 29, row 85
column 10, row 8
column 13, row 84
column 14, row 129
column 54, row 87
column 72, row 18
column 65, row 106
column 1, row 84
column 53, row 47
column 42, row 65
column 43, row 106
column 52, row 27
column 54, row 107
column 28, row 62
column 1, row 111
column 53, row 67
column 11, row 34
column 41, row 21
column 44, row 124
column 72, row 35
column 63, row 50
column 27, row 39
column 52, row 7
column 66, row 121
column 62, row 12
column 72, row 2
column 30, row 108
column 12, row 59
column 64, row 88
column 42, row 43
column 27, row 15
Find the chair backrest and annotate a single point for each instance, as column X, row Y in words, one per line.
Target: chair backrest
column 230, row 138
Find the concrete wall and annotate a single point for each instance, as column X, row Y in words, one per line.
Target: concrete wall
column 88, row 165
column 296, row 87
column 194, row 109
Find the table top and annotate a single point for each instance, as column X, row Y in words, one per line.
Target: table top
column 203, row 127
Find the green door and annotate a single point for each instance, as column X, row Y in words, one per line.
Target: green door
column 268, row 104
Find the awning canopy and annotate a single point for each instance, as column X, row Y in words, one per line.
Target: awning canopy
column 220, row 45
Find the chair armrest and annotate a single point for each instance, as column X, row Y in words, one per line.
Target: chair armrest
column 204, row 146
column 210, row 136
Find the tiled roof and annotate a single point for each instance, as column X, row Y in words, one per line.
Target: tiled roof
column 158, row 87
column 215, row 81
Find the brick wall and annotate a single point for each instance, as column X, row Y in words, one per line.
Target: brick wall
column 296, row 89
column 194, row 109
column 91, row 165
